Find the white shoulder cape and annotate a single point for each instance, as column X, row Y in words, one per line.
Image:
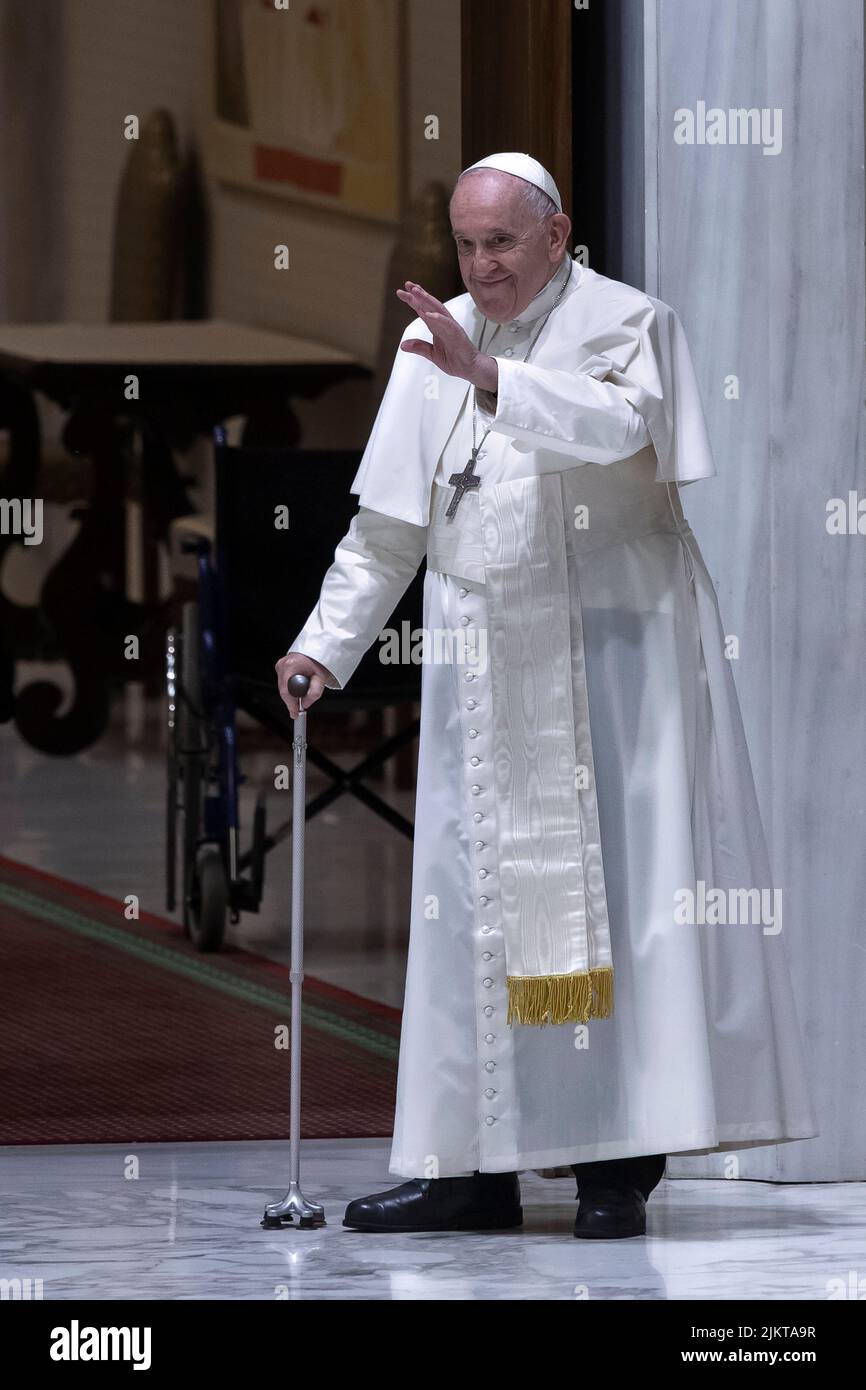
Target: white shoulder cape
column 603, row 331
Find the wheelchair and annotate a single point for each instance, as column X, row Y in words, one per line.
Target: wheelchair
column 256, row 584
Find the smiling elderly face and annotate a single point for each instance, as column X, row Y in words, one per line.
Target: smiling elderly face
column 507, row 251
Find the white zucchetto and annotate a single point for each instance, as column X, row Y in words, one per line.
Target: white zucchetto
column 522, row 166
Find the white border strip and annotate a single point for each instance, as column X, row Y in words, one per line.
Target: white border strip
column 651, row 146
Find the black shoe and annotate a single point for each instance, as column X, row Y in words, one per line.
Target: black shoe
column 609, row 1213
column 484, row 1202
column 644, row 1172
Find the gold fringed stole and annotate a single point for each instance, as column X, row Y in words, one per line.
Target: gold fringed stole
column 575, row 998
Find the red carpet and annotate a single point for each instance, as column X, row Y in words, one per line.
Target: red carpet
column 119, row 1032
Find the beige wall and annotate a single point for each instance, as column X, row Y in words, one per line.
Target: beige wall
column 114, row 57
column 117, row 57
column 121, row 56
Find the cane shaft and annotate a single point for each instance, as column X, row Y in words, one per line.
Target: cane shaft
column 295, row 1207
column 299, row 801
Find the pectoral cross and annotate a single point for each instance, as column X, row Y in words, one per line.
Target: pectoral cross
column 462, row 483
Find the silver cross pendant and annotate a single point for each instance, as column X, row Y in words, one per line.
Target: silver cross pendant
column 462, row 483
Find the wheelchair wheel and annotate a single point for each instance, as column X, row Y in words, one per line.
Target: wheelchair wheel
column 205, row 915
column 205, row 888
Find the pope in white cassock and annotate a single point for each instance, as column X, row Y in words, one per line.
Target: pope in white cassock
column 596, row 974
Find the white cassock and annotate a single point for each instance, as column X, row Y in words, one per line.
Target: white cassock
column 589, row 440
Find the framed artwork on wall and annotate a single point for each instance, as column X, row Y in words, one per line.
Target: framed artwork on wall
column 305, row 101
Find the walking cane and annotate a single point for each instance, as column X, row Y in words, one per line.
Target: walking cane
column 295, row 1204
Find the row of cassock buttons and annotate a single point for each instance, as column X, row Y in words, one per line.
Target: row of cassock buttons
column 476, row 760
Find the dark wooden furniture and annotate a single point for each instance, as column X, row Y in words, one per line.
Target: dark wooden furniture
column 133, row 394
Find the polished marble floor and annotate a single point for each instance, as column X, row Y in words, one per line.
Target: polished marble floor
column 187, row 1227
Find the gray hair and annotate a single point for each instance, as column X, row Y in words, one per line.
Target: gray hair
column 538, row 204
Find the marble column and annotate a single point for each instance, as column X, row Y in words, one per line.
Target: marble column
column 759, row 247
